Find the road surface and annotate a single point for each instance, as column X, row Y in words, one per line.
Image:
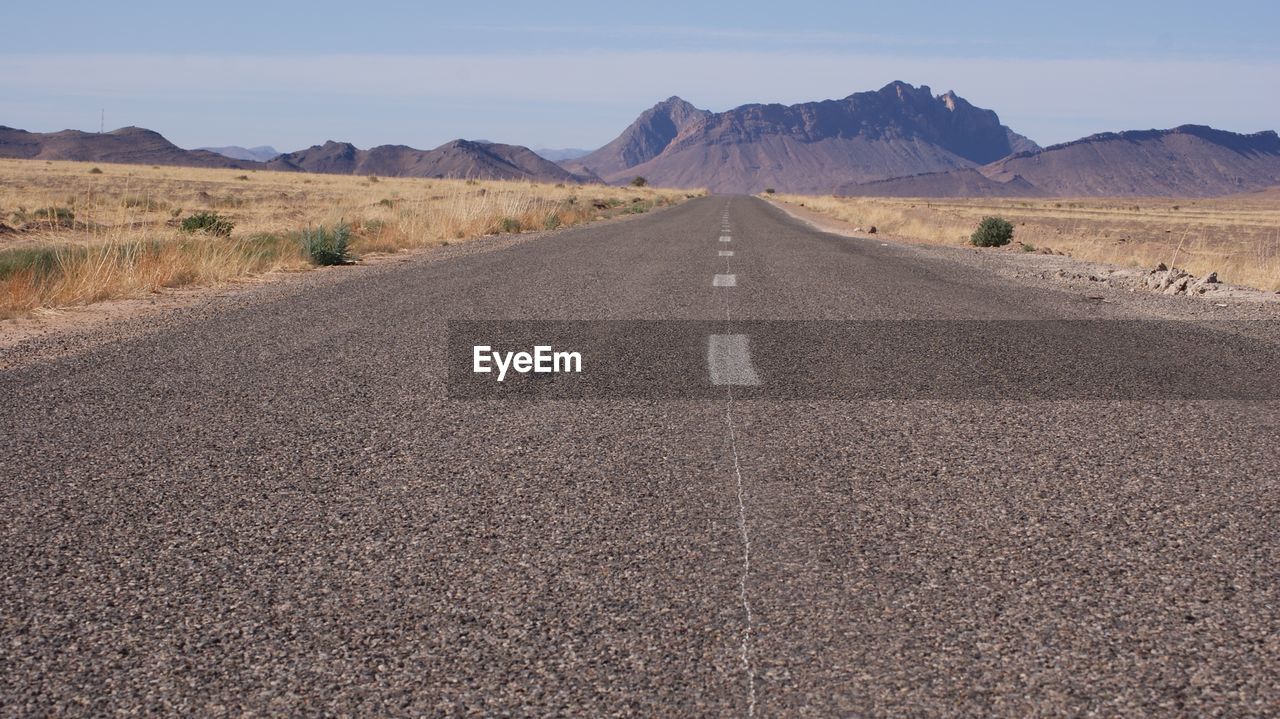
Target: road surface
column 288, row 508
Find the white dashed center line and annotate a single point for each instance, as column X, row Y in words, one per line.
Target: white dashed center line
column 729, row 361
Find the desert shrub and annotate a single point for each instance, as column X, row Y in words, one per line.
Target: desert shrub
column 55, row 215
column 95, row 171
column 992, row 232
column 38, row 261
column 1027, row 248
column 551, row 223
column 639, row 182
column 210, row 223
column 328, row 247
column 769, row 190
column 387, row 202
column 509, row 224
column 146, row 204
column 372, row 178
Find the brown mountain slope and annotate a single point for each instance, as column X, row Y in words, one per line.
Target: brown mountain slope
column 642, row 141
column 456, row 159
column 955, row 183
column 811, row 147
column 129, row 145
column 1187, row 161
column 133, row 145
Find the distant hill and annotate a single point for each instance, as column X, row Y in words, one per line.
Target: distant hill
column 130, row 145
column 462, row 159
column 810, row 147
column 456, row 159
column 261, row 153
column 1187, row 161
column 568, row 153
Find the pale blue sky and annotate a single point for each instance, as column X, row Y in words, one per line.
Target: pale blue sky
column 575, row 73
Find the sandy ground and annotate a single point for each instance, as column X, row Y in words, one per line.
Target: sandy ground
column 1097, row 281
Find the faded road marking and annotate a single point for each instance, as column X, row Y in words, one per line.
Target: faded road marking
column 729, row 361
column 724, row 281
column 724, row 238
column 726, row 253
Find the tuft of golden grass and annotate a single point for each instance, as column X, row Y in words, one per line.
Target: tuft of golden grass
column 1237, row 237
column 125, row 241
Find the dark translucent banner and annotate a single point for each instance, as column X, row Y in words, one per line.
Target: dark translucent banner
column 909, row 359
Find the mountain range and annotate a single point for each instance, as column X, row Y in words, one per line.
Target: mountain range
column 133, row 145
column 458, row 159
column 128, row 145
column 566, row 153
column 262, row 153
column 810, row 147
column 1186, row 161
column 900, row 140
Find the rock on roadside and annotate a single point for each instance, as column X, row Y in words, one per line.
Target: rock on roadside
column 1174, row 281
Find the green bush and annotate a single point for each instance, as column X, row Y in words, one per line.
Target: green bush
column 210, row 223
column 769, row 190
column 992, row 232
column 509, row 224
column 551, row 223
column 328, row 247
column 55, row 215
column 95, row 171
column 639, row 182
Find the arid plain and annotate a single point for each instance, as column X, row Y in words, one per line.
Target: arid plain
column 1237, row 237
column 76, row 233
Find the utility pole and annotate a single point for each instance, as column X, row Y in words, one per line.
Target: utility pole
column 102, row 121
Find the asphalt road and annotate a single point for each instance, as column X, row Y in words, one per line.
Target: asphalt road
column 278, row 509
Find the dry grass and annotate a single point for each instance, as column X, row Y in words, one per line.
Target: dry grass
column 124, row 238
column 1237, row 237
